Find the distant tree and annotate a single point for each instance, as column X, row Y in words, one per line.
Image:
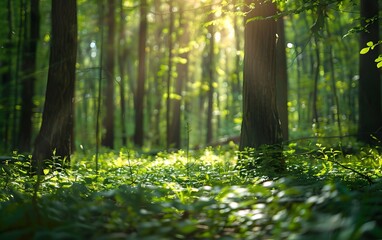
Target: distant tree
column 57, row 120
column 211, row 74
column 260, row 124
column 370, row 116
column 28, row 80
column 169, row 131
column 140, row 91
column 6, row 78
column 122, row 59
column 108, row 121
column 181, row 80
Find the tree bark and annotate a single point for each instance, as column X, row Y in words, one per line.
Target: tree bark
column 108, row 122
column 169, row 133
column 54, row 137
column 140, row 91
column 211, row 77
column 282, row 79
column 28, row 80
column 370, row 117
column 261, row 123
column 181, row 80
column 122, row 61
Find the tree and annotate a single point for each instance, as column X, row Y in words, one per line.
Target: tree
column 55, row 134
column 140, row 91
column 261, row 124
column 6, row 78
column 169, row 141
column 211, row 75
column 28, row 80
column 108, row 123
column 181, row 80
column 282, row 79
column 370, row 116
column 122, row 58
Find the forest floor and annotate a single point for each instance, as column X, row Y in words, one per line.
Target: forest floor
column 325, row 194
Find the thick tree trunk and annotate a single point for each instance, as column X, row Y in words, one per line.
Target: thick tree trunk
column 370, row 117
column 28, row 80
column 57, row 120
column 140, row 91
column 108, row 122
column 261, row 123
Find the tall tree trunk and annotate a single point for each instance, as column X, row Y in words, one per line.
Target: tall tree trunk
column 140, row 92
column 282, row 79
column 261, row 124
column 169, row 76
column 260, row 118
column 108, row 122
column 57, row 120
column 28, row 80
column 333, row 80
column 181, row 80
column 6, row 79
column 370, row 116
column 122, row 62
column 211, row 77
column 315, row 89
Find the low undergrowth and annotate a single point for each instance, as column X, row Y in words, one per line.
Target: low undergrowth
column 324, row 194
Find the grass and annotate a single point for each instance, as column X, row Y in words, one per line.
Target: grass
column 325, row 194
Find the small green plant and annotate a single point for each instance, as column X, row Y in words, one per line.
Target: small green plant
column 197, row 196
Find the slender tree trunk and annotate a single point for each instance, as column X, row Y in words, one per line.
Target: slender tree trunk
column 57, row 120
column 122, row 62
column 169, row 76
column 6, row 79
column 315, row 89
column 108, row 122
column 28, row 80
column 182, row 70
column 370, row 116
column 140, row 92
column 211, row 78
column 282, row 79
column 333, row 80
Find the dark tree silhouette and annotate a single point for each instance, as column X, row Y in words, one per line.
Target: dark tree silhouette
column 108, row 121
column 370, row 117
column 55, row 134
column 140, row 91
column 261, row 124
column 28, row 80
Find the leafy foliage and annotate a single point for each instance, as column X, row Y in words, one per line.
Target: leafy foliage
column 196, row 195
column 370, row 46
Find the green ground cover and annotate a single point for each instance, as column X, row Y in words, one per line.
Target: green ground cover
column 325, row 194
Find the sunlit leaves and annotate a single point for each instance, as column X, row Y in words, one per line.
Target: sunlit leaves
column 195, row 196
column 370, row 46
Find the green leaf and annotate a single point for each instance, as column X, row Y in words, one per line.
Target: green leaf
column 370, row 44
column 379, row 65
column 364, row 50
column 46, row 171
